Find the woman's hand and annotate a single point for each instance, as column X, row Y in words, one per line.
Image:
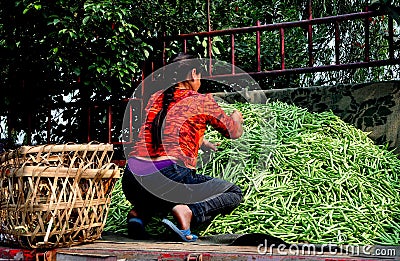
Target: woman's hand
column 209, row 145
column 237, row 117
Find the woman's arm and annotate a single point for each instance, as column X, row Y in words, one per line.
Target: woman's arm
column 228, row 126
column 237, row 117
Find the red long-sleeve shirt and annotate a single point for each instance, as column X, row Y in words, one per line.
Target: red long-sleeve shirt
column 184, row 126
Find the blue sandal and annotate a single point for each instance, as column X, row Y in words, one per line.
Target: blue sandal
column 136, row 229
column 182, row 233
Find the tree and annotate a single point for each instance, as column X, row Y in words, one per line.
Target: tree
column 63, row 52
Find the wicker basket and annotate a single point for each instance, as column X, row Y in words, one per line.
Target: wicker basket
column 55, row 195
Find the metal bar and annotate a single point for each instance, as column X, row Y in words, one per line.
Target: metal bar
column 294, row 70
column 88, row 124
column 48, row 123
column 28, row 117
column 185, row 45
column 266, row 27
column 9, row 127
column 208, row 16
column 130, row 122
column 282, row 36
column 142, row 113
column 209, row 38
column 8, row 123
column 109, row 116
column 324, row 68
column 210, row 55
column 233, row 53
column 142, row 85
column 152, row 70
column 164, row 52
column 310, row 34
column 29, row 132
column 366, row 43
column 337, row 43
column 258, row 47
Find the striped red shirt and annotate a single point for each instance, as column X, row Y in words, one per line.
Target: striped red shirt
column 184, row 126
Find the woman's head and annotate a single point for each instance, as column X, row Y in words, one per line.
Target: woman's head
column 186, row 68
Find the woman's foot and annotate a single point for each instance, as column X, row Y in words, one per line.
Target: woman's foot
column 132, row 213
column 136, row 228
column 183, row 215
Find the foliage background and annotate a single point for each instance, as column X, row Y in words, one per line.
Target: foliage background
column 62, row 57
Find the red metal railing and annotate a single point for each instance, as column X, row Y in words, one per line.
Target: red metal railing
column 334, row 21
column 281, row 27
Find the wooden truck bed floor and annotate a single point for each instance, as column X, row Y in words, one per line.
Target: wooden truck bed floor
column 112, row 247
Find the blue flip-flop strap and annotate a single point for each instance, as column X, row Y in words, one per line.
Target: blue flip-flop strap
column 136, row 220
column 185, row 232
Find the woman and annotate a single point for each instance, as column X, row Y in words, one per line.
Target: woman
column 160, row 176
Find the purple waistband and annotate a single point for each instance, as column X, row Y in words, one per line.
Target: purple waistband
column 144, row 167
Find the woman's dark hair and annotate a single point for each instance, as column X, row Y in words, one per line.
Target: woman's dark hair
column 183, row 63
column 156, row 125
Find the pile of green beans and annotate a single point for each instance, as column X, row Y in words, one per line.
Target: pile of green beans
column 306, row 178
column 119, row 208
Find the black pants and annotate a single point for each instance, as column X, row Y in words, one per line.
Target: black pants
column 158, row 193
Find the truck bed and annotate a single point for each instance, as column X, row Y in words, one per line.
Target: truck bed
column 113, row 247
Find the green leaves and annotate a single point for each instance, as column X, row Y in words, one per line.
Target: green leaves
column 32, row 6
column 79, row 32
column 101, row 45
